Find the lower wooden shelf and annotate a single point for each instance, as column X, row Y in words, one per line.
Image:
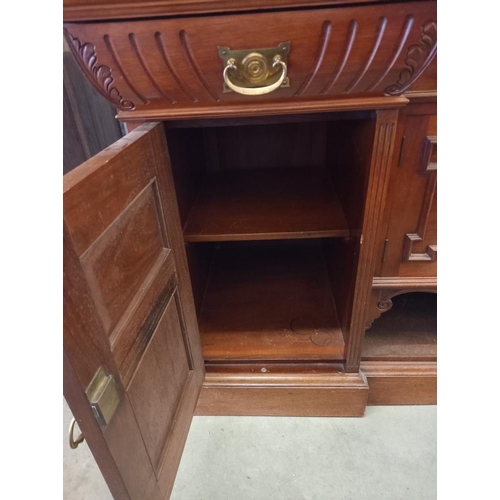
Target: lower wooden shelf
column 270, row 301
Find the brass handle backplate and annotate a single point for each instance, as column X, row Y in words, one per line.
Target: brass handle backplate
column 73, row 443
column 255, row 71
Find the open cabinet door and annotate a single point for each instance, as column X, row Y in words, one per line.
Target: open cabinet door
column 132, row 359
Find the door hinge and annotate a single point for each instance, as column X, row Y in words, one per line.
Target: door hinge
column 103, row 397
column 384, row 253
column 401, row 151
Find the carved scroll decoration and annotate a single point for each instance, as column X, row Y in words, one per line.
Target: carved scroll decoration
column 418, row 58
column 99, row 75
column 381, row 301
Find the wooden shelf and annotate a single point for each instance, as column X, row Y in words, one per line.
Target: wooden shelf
column 270, row 301
column 266, row 204
column 408, row 332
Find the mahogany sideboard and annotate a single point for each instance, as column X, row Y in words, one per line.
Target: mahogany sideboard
column 254, row 245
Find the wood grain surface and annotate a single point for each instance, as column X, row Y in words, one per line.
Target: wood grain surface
column 170, row 68
column 270, row 302
column 265, row 204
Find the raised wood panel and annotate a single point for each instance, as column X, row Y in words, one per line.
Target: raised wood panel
column 417, row 247
column 408, row 239
column 125, row 440
column 159, row 380
column 90, row 211
column 118, row 262
column 165, row 66
column 133, row 333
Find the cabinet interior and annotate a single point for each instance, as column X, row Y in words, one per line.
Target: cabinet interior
column 407, row 332
column 272, row 210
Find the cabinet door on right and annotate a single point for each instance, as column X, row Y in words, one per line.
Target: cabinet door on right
column 410, row 243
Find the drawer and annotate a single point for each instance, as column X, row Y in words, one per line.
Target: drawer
column 168, row 68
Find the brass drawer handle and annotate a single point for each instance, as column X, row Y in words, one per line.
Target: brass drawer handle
column 73, row 443
column 231, row 65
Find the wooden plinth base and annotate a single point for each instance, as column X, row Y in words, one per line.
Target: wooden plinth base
column 320, row 394
column 280, row 394
column 393, row 383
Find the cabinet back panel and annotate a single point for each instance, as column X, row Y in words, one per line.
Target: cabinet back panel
column 269, row 146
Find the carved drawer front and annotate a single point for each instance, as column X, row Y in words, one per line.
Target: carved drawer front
column 411, row 230
column 172, row 68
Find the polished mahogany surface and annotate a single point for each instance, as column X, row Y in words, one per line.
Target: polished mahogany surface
column 266, row 250
column 170, row 68
column 88, row 10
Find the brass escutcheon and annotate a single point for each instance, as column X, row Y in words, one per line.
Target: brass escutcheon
column 255, row 71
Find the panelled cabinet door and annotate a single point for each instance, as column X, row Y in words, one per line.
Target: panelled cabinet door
column 132, row 360
column 411, row 220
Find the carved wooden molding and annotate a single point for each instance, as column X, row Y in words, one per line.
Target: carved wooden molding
column 381, row 26
column 399, row 368
column 99, row 75
column 428, row 161
column 418, row 58
column 428, row 166
column 430, row 254
column 407, row 283
column 168, row 67
column 190, row 57
column 381, row 299
column 326, row 31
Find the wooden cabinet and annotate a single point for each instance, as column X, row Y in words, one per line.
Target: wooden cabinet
column 227, row 259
